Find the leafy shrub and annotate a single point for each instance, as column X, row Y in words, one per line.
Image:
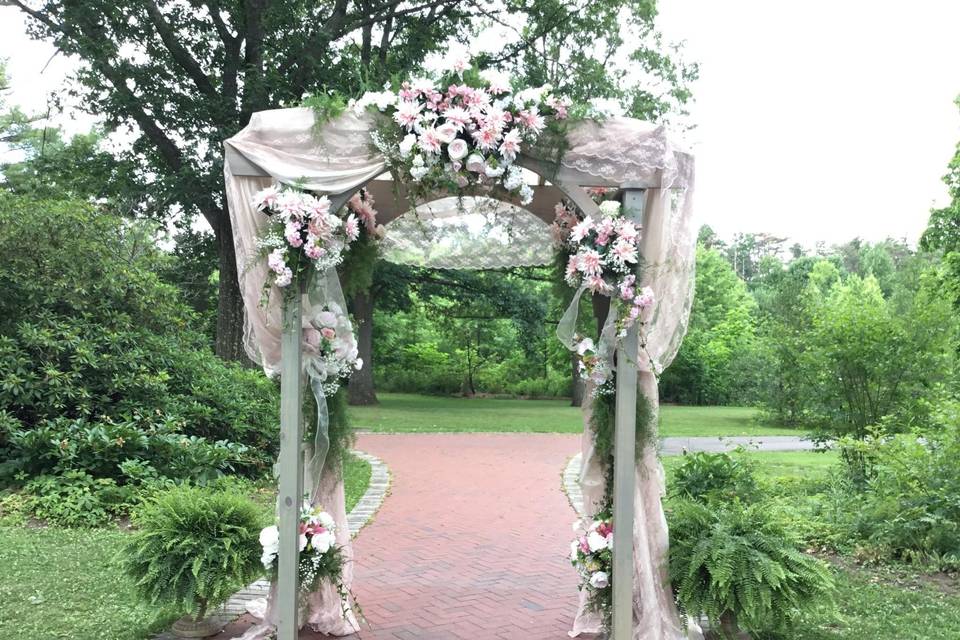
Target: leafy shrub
column 92, row 341
column 74, row 499
column 108, row 449
column 909, row 508
column 735, row 565
column 194, row 548
column 711, row 477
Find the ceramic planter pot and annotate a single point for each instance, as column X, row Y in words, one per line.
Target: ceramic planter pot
column 190, row 627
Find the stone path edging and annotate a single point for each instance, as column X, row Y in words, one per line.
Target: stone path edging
column 571, row 483
column 361, row 515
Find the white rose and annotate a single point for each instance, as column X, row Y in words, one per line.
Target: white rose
column 267, row 559
column 358, row 364
column 446, row 132
column 457, row 149
column 493, row 172
column 610, row 208
column 326, row 521
column 475, row 163
column 599, row 580
column 322, row 542
column 270, row 537
column 574, row 548
column 302, row 541
column 596, row 542
column 407, row 144
column 327, row 319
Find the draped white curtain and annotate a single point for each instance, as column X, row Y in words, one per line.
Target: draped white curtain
column 338, row 158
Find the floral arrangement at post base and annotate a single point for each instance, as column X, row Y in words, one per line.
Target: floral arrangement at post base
column 462, row 129
column 321, row 558
column 591, row 554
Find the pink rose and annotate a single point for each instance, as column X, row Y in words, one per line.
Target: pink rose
column 328, row 333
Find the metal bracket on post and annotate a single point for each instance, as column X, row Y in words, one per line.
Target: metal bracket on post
column 291, row 470
column 624, row 461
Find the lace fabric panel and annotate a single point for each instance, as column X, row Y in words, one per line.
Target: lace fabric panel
column 468, row 233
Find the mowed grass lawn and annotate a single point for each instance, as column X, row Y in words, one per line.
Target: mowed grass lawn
column 401, row 412
column 68, row 583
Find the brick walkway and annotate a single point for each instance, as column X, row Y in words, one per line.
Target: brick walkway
column 472, row 542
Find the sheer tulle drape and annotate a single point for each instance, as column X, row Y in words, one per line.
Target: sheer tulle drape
column 339, row 158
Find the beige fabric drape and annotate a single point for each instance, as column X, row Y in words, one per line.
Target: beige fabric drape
column 339, row 158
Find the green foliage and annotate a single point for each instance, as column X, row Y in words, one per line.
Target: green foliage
column 738, row 567
column 109, row 449
column 875, row 356
column 74, row 499
column 325, row 106
column 603, row 424
column 101, row 362
column 716, row 362
column 714, row 478
column 194, row 548
column 908, row 507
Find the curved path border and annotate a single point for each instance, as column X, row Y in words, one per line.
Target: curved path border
column 361, row 515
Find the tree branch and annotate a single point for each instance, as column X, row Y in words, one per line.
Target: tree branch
column 178, row 52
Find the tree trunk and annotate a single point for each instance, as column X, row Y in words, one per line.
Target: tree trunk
column 229, row 342
column 577, row 393
column 361, row 390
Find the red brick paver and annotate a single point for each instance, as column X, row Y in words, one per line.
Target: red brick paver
column 472, row 542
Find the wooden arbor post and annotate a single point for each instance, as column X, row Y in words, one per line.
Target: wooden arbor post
column 290, row 465
column 624, row 458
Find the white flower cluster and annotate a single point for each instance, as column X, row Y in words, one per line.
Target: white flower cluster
column 316, row 538
column 332, row 348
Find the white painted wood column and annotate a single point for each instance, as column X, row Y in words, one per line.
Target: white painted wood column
column 624, row 460
column 290, row 465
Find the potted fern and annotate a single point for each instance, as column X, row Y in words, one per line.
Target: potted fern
column 193, row 550
column 733, row 564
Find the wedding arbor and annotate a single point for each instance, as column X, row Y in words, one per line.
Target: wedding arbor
column 654, row 182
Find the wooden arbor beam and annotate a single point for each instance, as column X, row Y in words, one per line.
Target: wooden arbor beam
column 290, row 465
column 624, row 457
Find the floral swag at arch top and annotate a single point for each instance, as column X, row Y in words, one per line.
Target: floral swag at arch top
column 337, row 158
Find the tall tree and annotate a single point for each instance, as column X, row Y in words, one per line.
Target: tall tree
column 184, row 76
column 943, row 229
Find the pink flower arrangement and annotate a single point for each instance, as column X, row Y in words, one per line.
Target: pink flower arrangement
column 302, row 233
column 361, row 204
column 457, row 115
column 321, row 558
column 603, row 257
column 591, row 554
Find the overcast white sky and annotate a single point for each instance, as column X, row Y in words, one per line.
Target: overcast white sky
column 817, row 120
